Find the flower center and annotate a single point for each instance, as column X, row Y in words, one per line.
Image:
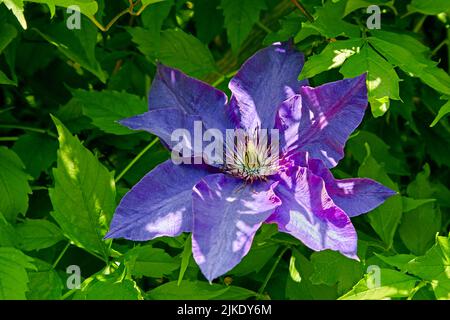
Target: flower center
column 251, row 157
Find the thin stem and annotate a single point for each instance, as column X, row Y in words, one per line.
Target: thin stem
column 303, row 10
column 448, row 49
column 259, row 24
column 36, row 188
column 129, row 10
column 223, row 78
column 68, row 294
column 25, row 128
column 416, row 289
column 9, row 138
column 272, row 270
column 60, row 255
column 219, row 81
column 124, row 171
column 420, row 23
column 440, row 45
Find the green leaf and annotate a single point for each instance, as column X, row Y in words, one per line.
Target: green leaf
column 41, row 146
column 148, row 2
column 185, row 258
column 293, row 271
column 185, row 52
column 208, row 19
column 13, row 274
column 382, row 80
column 429, row 7
column 443, row 111
column 108, row 287
column 409, row 54
column 84, row 194
column 9, row 32
column 107, row 290
column 411, row 204
column 87, row 7
column 76, row 45
column 353, row 5
column 5, row 80
column 240, row 16
column 45, row 283
column 434, row 267
column 333, row 56
column 419, row 226
column 305, row 290
column 148, row 38
column 256, row 259
column 385, row 218
column 150, row 262
column 332, row 11
column 398, row 261
column 37, row 234
column 106, row 107
column 290, row 26
column 196, row 290
column 330, row 268
column 175, row 48
column 16, row 6
column 380, row 151
column 14, row 188
column 8, row 237
column 393, row 284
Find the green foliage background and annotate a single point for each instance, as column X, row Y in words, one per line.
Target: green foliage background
column 65, row 163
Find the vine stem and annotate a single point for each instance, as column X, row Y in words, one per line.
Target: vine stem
column 262, row 26
column 420, row 23
column 68, row 294
column 61, row 255
column 124, row 171
column 272, row 270
column 303, row 10
column 25, row 128
column 9, row 138
column 440, row 45
column 129, row 10
column 416, row 289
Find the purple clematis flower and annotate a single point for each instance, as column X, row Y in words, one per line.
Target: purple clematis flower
column 223, row 206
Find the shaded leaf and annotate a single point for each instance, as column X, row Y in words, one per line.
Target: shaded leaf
column 13, row 273
column 45, row 283
column 330, row 268
column 14, row 188
column 37, row 234
column 106, row 107
column 385, row 218
column 240, row 16
column 42, row 148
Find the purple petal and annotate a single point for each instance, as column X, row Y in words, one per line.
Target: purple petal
column 173, row 89
column 264, row 81
column 321, row 119
column 158, row 205
column 162, row 123
column 309, row 214
column 354, row 196
column 227, row 214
